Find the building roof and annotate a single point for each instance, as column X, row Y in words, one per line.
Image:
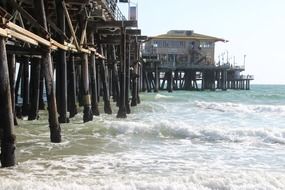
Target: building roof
column 187, row 35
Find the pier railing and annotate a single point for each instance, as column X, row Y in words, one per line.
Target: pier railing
column 172, row 65
column 112, row 7
column 231, row 66
column 247, row 77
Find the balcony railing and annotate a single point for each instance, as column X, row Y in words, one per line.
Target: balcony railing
column 112, row 7
column 249, row 77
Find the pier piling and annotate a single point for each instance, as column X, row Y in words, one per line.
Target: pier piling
column 35, row 88
column 87, row 112
column 26, row 87
column 71, row 80
column 105, row 83
column 6, row 112
column 12, row 70
column 93, row 77
column 122, row 112
column 55, row 130
column 61, row 66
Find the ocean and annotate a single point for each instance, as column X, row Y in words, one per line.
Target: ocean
column 226, row 140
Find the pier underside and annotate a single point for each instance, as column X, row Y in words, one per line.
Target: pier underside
column 193, row 77
column 74, row 53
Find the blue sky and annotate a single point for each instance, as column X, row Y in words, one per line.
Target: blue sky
column 253, row 27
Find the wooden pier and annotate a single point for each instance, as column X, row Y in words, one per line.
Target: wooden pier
column 72, row 53
column 184, row 60
column 76, row 51
column 203, row 77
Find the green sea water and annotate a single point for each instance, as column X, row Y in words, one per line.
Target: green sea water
column 181, row 140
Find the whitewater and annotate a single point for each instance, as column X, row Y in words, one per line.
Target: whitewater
column 206, row 140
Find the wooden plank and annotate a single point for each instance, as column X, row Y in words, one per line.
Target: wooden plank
column 133, row 32
column 114, row 24
column 22, row 37
column 92, row 49
column 53, row 47
column 28, row 33
column 100, row 56
column 83, row 34
column 70, row 45
column 3, row 33
column 85, row 50
column 59, row 45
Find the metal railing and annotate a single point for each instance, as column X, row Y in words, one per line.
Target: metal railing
column 113, row 8
column 230, row 65
column 249, row 77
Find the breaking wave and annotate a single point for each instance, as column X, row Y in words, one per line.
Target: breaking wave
column 211, row 133
column 241, row 108
column 195, row 180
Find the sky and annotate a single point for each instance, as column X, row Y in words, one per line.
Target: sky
column 255, row 28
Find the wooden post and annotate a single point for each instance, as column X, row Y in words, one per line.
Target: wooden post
column 17, row 86
column 26, row 87
column 219, row 75
column 135, row 75
column 116, row 81
column 12, row 70
column 122, row 106
column 18, row 109
column 87, row 112
column 99, row 84
column 110, row 71
column 93, row 76
column 203, row 85
column 169, row 81
column 41, row 98
column 224, row 79
column 35, row 88
column 79, row 85
column 143, row 78
column 72, row 108
column 6, row 112
column 247, row 84
column 61, row 67
column 137, row 53
column 175, row 80
column 156, row 77
column 147, row 82
column 55, row 130
column 128, row 63
column 188, row 81
column 104, row 79
column 213, row 81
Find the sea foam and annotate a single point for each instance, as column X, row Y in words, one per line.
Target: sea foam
column 197, row 180
column 241, row 108
column 209, row 133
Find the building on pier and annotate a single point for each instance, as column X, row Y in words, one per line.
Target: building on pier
column 180, row 58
